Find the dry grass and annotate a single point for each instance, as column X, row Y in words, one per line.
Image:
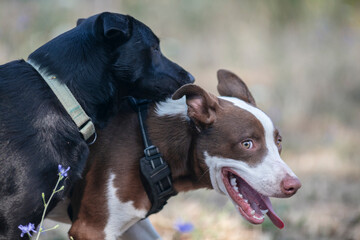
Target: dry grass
column 211, row 221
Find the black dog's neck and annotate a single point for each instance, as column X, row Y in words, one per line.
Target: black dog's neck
column 83, row 67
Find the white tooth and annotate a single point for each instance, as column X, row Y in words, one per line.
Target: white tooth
column 264, row 211
column 236, row 189
column 233, row 181
column 259, row 218
column 245, row 200
column 252, row 212
column 241, row 196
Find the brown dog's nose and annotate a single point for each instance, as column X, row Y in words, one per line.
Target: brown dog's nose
column 289, row 185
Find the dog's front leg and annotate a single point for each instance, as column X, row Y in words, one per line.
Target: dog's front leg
column 143, row 230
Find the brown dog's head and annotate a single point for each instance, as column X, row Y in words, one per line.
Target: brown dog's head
column 240, row 146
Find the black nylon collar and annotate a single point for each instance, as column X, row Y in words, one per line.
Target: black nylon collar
column 155, row 172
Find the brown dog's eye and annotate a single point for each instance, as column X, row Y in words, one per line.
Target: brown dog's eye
column 278, row 141
column 247, row 144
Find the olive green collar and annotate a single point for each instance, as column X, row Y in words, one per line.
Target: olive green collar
column 71, row 105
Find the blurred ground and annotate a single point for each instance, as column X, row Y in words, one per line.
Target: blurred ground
column 300, row 60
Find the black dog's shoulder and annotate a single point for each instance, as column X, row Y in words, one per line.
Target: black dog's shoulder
column 34, row 125
column 36, row 135
column 31, row 115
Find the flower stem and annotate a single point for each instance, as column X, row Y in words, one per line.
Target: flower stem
column 45, row 208
column 49, row 229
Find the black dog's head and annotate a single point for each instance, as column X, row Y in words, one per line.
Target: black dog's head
column 107, row 57
column 136, row 59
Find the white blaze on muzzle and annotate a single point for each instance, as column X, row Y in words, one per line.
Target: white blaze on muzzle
column 266, row 176
column 250, row 187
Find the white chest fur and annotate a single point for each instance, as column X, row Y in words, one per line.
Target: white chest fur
column 121, row 214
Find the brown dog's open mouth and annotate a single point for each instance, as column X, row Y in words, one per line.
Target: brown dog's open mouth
column 251, row 204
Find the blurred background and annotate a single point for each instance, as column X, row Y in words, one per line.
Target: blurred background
column 301, row 61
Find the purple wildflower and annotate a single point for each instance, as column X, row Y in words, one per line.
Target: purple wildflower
column 63, row 171
column 27, row 229
column 183, row 227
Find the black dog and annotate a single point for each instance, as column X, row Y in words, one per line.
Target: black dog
column 105, row 58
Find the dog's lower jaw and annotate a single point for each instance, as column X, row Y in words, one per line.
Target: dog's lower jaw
column 254, row 210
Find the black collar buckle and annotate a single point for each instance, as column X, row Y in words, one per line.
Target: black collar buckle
column 151, row 151
column 156, row 179
column 155, row 172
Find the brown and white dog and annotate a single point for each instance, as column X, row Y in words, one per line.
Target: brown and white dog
column 224, row 143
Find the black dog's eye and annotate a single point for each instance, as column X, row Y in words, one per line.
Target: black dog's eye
column 155, row 49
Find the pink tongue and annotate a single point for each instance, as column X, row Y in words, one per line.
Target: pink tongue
column 271, row 213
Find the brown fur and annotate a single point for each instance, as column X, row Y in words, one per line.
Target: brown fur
column 234, row 124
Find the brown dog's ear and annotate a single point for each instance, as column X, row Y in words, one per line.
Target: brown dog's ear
column 202, row 106
column 232, row 86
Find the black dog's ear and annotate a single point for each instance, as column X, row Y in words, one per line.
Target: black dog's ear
column 113, row 26
column 232, row 86
column 79, row 21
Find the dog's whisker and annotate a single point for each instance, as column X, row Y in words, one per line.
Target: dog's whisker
column 203, row 175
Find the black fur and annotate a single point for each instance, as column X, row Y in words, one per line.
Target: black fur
column 105, row 58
